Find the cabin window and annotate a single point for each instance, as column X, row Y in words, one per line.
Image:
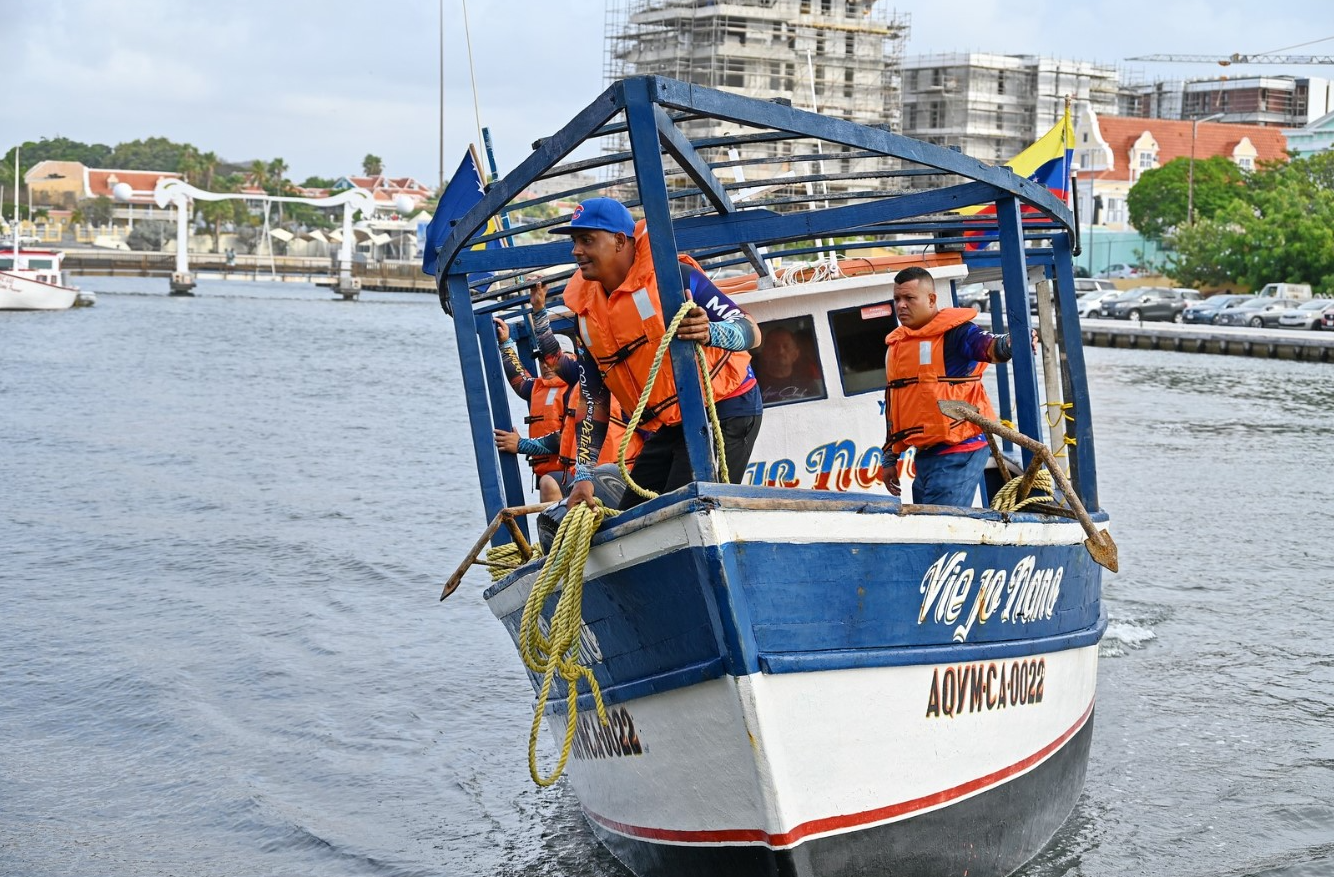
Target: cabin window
column 6, row 264
column 859, row 344
column 787, row 365
column 41, row 264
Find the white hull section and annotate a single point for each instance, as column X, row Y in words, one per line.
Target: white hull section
column 21, row 294
column 776, row 760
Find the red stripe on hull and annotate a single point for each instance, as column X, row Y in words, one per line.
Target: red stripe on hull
column 832, row 824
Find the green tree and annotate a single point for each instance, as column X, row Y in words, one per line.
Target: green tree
column 153, row 154
column 150, row 235
column 55, row 149
column 208, row 162
column 1157, row 202
column 97, row 211
column 372, row 165
column 318, row 183
column 277, row 185
column 259, row 174
column 1282, row 230
column 218, row 213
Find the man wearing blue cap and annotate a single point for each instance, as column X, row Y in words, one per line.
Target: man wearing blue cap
column 614, row 297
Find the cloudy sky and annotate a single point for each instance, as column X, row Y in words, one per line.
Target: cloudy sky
column 321, row 83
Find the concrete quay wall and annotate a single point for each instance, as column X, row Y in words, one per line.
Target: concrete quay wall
column 1317, row 346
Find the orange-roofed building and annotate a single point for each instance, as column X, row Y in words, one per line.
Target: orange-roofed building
column 1112, row 152
column 62, row 184
column 386, row 190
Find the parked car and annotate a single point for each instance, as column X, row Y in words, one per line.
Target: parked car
column 974, row 295
column 1146, row 303
column 1328, row 320
column 1299, row 291
column 1207, row 310
column 1310, row 315
column 1120, row 269
column 1257, row 313
column 1090, row 303
column 1093, row 284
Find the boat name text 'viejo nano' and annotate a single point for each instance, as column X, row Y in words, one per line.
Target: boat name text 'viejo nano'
column 947, row 584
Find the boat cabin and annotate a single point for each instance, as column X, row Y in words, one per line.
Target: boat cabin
column 42, row 266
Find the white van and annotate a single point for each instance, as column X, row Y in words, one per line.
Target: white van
column 1299, row 291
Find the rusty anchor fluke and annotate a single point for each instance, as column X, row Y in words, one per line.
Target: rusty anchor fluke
column 504, row 518
column 1099, row 543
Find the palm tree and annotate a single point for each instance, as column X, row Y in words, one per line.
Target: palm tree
column 189, row 165
column 277, row 168
column 372, row 165
column 259, row 176
column 209, row 161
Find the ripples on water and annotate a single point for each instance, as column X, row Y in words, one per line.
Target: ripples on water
column 226, row 519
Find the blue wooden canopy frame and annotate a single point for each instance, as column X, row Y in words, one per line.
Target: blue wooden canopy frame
column 653, row 107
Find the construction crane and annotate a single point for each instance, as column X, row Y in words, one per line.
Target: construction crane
column 1270, row 57
column 1238, row 58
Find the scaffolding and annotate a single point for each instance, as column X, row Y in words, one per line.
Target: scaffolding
column 841, row 58
column 992, row 106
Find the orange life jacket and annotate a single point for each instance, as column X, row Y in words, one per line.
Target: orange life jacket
column 611, row 448
column 622, row 331
column 569, row 434
column 915, row 374
column 546, row 414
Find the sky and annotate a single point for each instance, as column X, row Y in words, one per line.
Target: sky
column 321, row 83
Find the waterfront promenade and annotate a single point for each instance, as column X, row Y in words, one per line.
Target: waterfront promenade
column 379, row 275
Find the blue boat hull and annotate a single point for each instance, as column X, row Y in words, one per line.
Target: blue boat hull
column 822, row 686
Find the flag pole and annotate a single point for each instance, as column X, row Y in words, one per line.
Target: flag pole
column 1073, row 176
column 472, row 73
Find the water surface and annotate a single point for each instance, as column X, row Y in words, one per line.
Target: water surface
column 225, row 521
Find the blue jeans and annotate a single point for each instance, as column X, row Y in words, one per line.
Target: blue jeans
column 949, row 479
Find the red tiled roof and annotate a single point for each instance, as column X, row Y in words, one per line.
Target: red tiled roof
column 1173, row 137
column 102, row 181
column 382, row 183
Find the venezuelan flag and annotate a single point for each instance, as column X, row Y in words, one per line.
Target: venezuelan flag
column 1047, row 162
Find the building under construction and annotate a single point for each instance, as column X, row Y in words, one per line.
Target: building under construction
column 993, row 106
column 840, row 58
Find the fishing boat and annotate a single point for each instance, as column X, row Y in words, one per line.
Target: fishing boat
column 32, row 280
column 800, row 673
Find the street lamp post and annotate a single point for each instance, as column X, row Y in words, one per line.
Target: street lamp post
column 1190, row 174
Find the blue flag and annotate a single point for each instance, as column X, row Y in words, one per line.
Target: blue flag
column 462, row 193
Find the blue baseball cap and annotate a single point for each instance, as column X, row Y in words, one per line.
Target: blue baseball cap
column 606, row 214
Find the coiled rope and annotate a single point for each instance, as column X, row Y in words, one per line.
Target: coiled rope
column 501, row 560
column 709, row 404
column 1042, row 491
column 557, row 650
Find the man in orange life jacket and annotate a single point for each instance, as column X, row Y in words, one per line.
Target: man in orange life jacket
column 935, row 354
column 614, row 297
column 552, row 399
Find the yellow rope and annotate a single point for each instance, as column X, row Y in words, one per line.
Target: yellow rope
column 557, row 651
column 1007, row 498
column 1063, row 410
column 709, row 405
column 501, row 560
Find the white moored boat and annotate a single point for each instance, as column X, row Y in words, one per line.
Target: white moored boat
column 802, row 674
column 32, row 280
